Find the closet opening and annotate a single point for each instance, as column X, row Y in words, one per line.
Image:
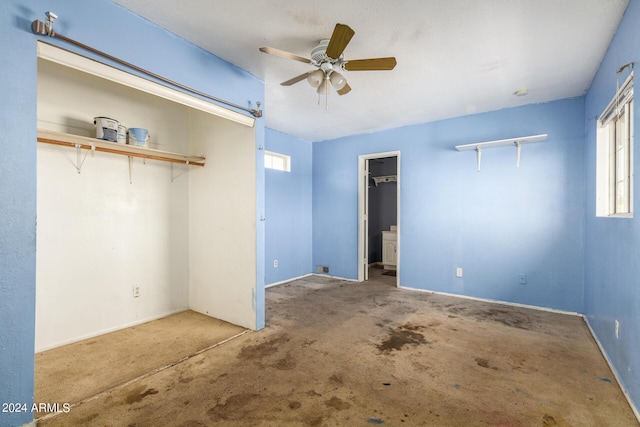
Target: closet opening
column 141, row 261
column 379, row 217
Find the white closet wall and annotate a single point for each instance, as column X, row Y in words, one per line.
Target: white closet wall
column 222, row 221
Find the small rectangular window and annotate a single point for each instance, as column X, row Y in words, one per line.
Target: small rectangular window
column 614, row 155
column 277, row 161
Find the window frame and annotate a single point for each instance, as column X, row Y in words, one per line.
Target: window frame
column 270, row 156
column 614, row 155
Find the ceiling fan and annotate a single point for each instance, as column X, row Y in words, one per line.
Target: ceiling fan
column 327, row 57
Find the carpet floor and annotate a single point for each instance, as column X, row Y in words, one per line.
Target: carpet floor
column 82, row 370
column 338, row 353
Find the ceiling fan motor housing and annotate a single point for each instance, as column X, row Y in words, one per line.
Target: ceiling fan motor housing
column 319, row 55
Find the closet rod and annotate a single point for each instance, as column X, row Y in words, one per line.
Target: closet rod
column 39, row 27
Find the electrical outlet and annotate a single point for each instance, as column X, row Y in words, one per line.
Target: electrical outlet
column 275, row 263
column 522, row 279
column 322, row 269
column 458, row 272
column 617, row 329
column 136, row 291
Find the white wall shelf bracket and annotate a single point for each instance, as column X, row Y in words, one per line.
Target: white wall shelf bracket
column 79, row 159
column 130, row 170
column 179, row 169
column 517, row 142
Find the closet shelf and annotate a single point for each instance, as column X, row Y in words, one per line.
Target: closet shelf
column 83, row 142
column 386, row 178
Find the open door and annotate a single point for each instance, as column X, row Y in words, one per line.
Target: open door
column 364, row 223
column 365, row 219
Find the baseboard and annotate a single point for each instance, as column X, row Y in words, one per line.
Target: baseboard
column 613, row 369
column 287, row 281
column 108, row 330
column 493, row 301
column 307, row 275
column 334, row 277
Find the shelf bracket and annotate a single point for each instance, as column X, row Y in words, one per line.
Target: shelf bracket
column 79, row 159
column 518, row 151
column 130, row 169
column 177, row 172
column 479, row 151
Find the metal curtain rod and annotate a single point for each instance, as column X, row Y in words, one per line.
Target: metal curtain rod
column 46, row 29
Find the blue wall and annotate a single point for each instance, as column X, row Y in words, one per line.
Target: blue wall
column 612, row 252
column 17, row 211
column 495, row 224
column 288, row 210
column 124, row 35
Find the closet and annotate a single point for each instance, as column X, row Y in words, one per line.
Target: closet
column 122, row 237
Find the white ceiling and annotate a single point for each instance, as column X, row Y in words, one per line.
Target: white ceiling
column 455, row 57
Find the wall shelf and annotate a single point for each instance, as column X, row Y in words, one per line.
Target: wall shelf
column 516, row 142
column 93, row 144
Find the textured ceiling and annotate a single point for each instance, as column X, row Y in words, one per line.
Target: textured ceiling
column 455, row 57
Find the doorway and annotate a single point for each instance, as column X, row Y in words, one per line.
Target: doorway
column 379, row 213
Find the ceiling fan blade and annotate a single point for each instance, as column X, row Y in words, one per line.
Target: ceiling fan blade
column 370, row 64
column 339, row 40
column 296, row 79
column 346, row 89
column 282, row 53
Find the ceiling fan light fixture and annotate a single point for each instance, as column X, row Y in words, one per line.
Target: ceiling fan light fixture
column 315, row 78
column 323, row 88
column 337, row 80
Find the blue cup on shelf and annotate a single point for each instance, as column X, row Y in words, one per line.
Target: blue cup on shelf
column 139, row 137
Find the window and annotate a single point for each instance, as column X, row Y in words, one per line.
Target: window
column 277, row 161
column 614, row 156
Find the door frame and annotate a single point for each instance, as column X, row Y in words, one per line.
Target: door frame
column 363, row 208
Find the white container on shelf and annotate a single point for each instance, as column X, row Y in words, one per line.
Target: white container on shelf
column 122, row 134
column 106, row 128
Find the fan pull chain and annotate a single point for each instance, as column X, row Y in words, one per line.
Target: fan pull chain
column 326, row 91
